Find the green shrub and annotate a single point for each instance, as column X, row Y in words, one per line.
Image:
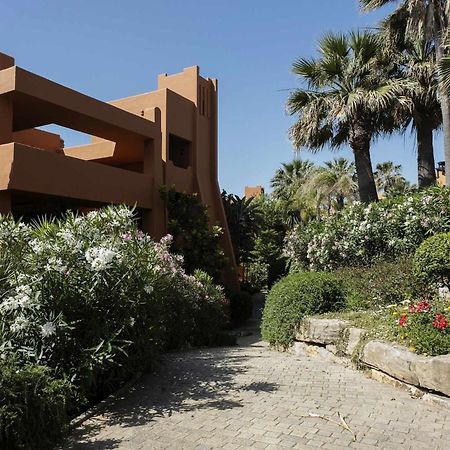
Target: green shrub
column 432, row 259
column 241, row 307
column 381, row 284
column 294, row 297
column 33, row 406
column 194, row 238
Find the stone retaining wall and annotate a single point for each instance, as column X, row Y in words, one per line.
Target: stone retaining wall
column 339, row 337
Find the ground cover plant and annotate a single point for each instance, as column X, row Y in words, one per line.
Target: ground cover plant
column 92, row 300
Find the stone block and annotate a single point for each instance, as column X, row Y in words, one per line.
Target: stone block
column 354, row 337
column 434, row 373
column 394, row 360
column 320, row 331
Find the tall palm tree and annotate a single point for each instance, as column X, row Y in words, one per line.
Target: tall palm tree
column 334, row 182
column 429, row 20
column 345, row 102
column 415, row 82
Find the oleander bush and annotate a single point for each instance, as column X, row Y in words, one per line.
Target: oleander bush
column 361, row 235
column 294, row 297
column 432, row 260
column 94, row 300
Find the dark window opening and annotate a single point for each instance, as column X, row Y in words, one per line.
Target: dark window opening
column 179, row 151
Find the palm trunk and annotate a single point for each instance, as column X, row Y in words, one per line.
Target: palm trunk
column 444, row 101
column 360, row 144
column 340, row 202
column 426, row 169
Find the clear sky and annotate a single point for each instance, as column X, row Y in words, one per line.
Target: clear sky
column 113, row 49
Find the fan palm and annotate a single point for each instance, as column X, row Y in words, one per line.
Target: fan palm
column 346, row 100
column 335, row 182
column 416, row 81
column 287, row 188
column 428, row 20
column 387, row 175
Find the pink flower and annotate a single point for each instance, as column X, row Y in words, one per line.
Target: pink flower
column 126, row 237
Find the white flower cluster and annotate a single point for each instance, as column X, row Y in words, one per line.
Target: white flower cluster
column 100, row 258
column 362, row 234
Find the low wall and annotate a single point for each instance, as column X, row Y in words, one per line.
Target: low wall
column 340, row 338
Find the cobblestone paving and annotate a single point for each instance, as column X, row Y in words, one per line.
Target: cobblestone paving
column 251, row 397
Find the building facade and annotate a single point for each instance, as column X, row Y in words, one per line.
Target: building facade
column 165, row 137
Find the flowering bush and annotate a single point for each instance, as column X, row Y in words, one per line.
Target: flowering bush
column 94, row 299
column 363, row 234
column 424, row 325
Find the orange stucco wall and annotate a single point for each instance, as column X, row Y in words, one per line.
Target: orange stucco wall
column 128, row 159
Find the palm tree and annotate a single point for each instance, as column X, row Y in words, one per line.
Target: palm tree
column 335, row 182
column 428, row 20
column 287, row 188
column 346, row 100
column 415, row 83
column 388, row 176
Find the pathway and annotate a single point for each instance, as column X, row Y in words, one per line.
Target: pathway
column 251, row 397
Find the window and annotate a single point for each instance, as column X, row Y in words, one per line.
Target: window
column 179, row 151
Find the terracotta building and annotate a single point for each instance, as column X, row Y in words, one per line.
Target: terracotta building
column 165, row 137
column 253, row 191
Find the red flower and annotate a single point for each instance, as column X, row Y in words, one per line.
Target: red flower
column 403, row 319
column 412, row 308
column 423, row 306
column 440, row 322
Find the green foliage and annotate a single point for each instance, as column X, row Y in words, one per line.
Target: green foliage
column 381, row 284
column 294, row 297
column 243, row 218
column 33, row 406
column 194, row 238
column 268, row 242
column 361, row 235
column 432, row 259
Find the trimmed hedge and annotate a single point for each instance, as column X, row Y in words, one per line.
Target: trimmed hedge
column 432, row 259
column 294, row 297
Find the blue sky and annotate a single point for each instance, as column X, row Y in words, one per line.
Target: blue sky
column 113, row 49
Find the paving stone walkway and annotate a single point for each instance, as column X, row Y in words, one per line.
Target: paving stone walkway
column 251, row 397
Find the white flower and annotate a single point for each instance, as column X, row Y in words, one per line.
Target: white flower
column 10, row 304
column 148, row 289
column 55, row 264
column 100, row 257
column 21, row 323
column 48, row 329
